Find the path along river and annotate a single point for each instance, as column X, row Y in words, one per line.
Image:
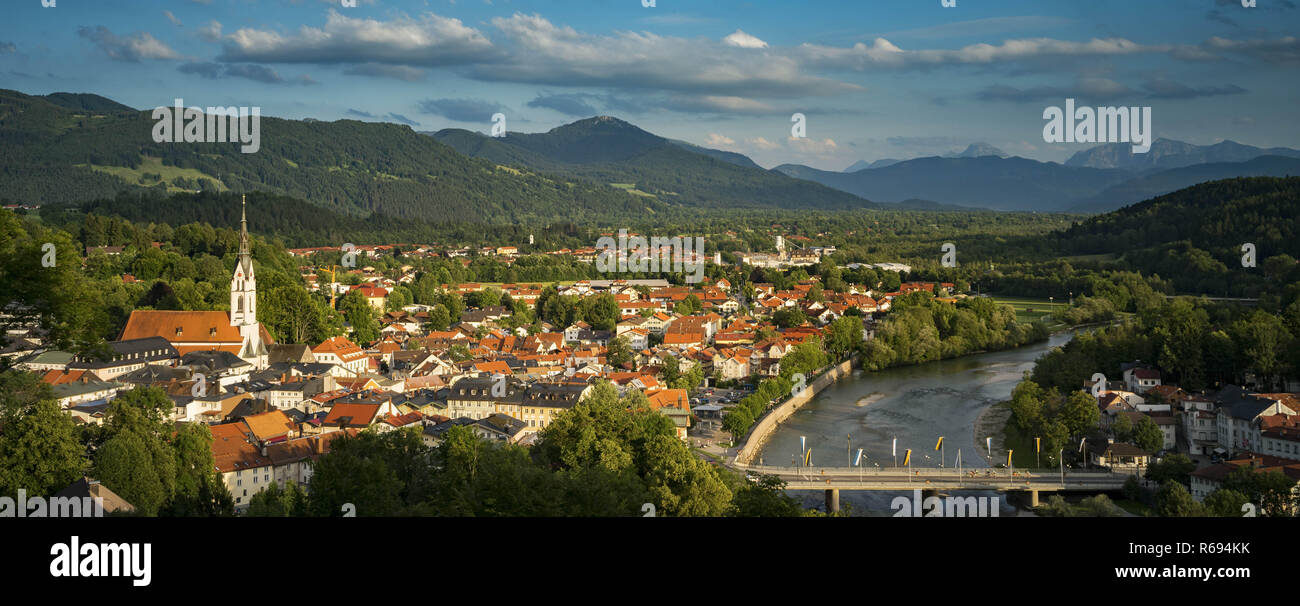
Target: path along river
column 916, row 405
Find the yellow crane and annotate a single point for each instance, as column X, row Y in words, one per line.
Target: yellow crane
column 333, row 290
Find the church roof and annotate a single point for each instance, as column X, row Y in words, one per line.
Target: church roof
column 188, row 330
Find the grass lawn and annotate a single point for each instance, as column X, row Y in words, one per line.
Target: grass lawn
column 1033, row 310
column 155, row 166
column 631, row 189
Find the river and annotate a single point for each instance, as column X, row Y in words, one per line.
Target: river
column 916, row 405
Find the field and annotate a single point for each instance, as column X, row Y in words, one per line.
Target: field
column 1032, row 310
column 631, row 189
column 149, row 166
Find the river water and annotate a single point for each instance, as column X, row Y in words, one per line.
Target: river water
column 916, row 405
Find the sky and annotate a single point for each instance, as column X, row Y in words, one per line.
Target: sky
column 874, row 79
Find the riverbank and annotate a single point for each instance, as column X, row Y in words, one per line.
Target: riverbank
column 754, row 441
column 992, row 423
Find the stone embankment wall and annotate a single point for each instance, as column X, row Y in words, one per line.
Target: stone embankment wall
column 758, row 435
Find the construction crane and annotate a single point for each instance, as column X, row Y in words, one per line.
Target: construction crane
column 333, row 290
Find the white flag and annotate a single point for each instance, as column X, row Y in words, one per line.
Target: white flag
column 858, row 460
column 802, row 444
column 989, row 443
column 895, row 446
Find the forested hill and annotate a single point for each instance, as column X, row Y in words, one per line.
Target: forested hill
column 1194, row 236
column 608, row 150
column 80, row 148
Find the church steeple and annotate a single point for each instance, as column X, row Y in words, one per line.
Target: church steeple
column 243, row 295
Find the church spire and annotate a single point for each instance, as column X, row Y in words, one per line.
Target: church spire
column 243, row 228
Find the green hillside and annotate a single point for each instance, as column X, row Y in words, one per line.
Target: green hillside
column 50, row 153
column 609, row 150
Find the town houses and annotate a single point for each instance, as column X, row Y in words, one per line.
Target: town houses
column 275, row 406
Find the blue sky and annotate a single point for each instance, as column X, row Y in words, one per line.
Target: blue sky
column 875, row 78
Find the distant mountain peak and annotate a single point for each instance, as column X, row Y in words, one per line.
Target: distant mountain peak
column 1170, row 153
column 979, row 150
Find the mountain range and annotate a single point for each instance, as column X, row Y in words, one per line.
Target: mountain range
column 608, row 150
column 72, row 148
column 1100, row 179
column 1167, row 153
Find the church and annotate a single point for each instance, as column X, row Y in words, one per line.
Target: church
column 236, row 331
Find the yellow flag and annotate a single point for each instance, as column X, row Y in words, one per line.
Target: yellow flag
column 807, row 458
column 1009, row 457
column 1038, row 445
column 939, row 444
column 907, row 458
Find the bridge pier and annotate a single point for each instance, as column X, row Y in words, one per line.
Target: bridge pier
column 1033, row 497
column 832, row 500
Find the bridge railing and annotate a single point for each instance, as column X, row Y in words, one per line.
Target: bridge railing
column 923, row 473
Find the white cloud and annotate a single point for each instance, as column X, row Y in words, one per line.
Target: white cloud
column 740, row 39
column 762, row 144
column 133, row 48
column 210, row 32
column 813, row 146
column 430, row 40
column 717, row 140
column 545, row 53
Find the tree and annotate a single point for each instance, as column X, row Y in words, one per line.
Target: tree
column 439, row 317
column 843, row 336
column 358, row 312
column 138, row 460
column 1079, row 412
column 1147, row 435
column 764, row 498
column 600, row 311
column 1173, row 501
column 1271, row 491
column 39, row 450
column 1225, row 503
column 1122, row 428
column 681, row 483
column 690, row 305
column 276, row 502
column 789, row 317
column 619, row 352
column 126, row 466
column 737, row 423
column 1100, row 506
column 377, row 475
column 1176, row 467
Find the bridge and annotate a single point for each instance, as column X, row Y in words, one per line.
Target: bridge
column 899, row 479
